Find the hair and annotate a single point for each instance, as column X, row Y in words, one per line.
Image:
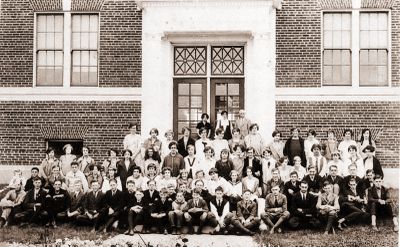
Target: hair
column 247, row 190
column 36, row 179
column 163, row 191
column 232, row 172
column 293, row 129
column 369, row 138
column 35, row 168
column 208, row 148
column 196, row 191
column 252, row 126
column 224, row 112
column 166, row 169
column 347, row 130
column 55, row 166
column 155, row 130
column 316, row 146
column 189, row 146
column 330, row 131
column 282, row 159
column 249, row 149
column 369, row 170
column 213, row 170
column 112, row 180
column 151, row 180
column 296, row 158
column 133, row 124
column 304, row 182
column 169, row 132
column 312, row 167
column 312, row 132
column 235, row 129
column 137, row 168
column 205, row 115
column 377, row 176
column 86, row 148
column 155, row 156
column 352, row 180
column 276, row 132
column 184, row 128
column 198, row 180
column 49, row 150
column 326, row 182
column 130, row 181
column 352, row 165
column 352, row 147
column 219, row 188
column 219, row 131
column 113, row 150
column 58, row 180
column 68, row 145
column 238, row 146
column 294, row 173
column 369, row 148
column 172, row 143
column 274, row 170
column 126, row 150
column 74, row 163
column 335, row 166
column 225, row 150
column 151, row 165
column 202, row 129
column 92, row 166
column 267, row 149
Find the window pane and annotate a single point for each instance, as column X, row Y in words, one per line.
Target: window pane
column 41, row 23
column 76, row 75
column 364, row 39
column 382, row 76
column 84, row 23
column 50, row 41
column 93, row 23
column 92, row 76
column 364, row 74
column 183, row 114
column 50, row 76
column 84, row 58
column 220, row 89
column 41, row 58
column 76, row 23
column 76, row 41
column 59, row 42
column 345, row 57
column 364, row 57
column 41, row 41
column 336, row 57
column 373, row 39
column 50, row 58
column 337, row 22
column 373, row 57
column 336, row 72
column 183, row 89
column 328, row 57
column 84, row 75
column 93, row 58
column 183, row 101
column 382, row 21
column 233, row 89
column 337, row 39
column 382, row 57
column 50, row 23
column 328, row 21
column 373, row 21
column 346, row 75
column 196, row 89
column 327, row 74
column 40, row 75
column 196, row 101
column 346, row 21
column 93, row 41
column 58, row 58
column 382, row 39
column 58, row 76
column 328, row 39
column 84, row 40
column 59, row 24
column 76, row 58
column 346, row 39
column 364, row 21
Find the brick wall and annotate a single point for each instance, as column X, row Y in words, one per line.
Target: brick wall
column 339, row 115
column 25, row 125
column 120, row 44
column 120, row 40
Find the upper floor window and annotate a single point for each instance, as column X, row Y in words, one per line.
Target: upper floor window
column 363, row 63
column 78, row 58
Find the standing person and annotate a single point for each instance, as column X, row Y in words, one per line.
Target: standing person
column 294, row 146
column 238, row 159
column 371, row 162
column 219, row 143
column 185, row 141
column 275, row 210
column 168, row 138
column 66, row 159
column 330, row 145
column 225, row 124
column 381, row 203
column 243, row 123
column 328, row 207
column 112, row 159
column 298, row 168
column 173, row 160
column 125, row 167
column 365, row 140
column 345, row 144
column 237, row 139
column 251, row 161
column 254, row 140
column 316, row 159
column 309, row 142
column 192, row 163
column 204, row 124
column 152, row 142
column 47, row 164
column 85, row 161
column 133, row 142
column 201, row 143
column 277, row 145
column 267, row 163
column 76, row 175
column 11, row 202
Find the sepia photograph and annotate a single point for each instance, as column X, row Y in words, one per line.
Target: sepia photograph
column 199, row 123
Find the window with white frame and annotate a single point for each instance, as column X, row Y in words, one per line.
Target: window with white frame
column 337, row 49
column 374, row 49
column 84, row 50
column 49, row 52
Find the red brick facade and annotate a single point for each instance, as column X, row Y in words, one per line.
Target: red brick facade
column 25, row 126
column 120, row 40
column 383, row 117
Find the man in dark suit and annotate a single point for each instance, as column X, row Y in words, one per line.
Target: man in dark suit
column 29, row 182
column 92, row 207
column 33, row 206
column 367, row 182
column 58, row 203
column 255, row 163
column 185, row 141
column 246, row 219
column 197, row 212
column 114, row 204
column 334, row 179
column 352, row 205
column 275, row 180
column 275, row 210
column 302, row 210
column 76, row 201
column 291, row 187
column 380, row 202
column 135, row 208
column 314, row 181
column 352, row 175
column 199, row 184
column 159, row 212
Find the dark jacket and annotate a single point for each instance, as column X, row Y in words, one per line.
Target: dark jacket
column 376, row 166
column 257, row 167
column 92, row 203
column 124, row 173
column 308, row 205
column 182, row 148
column 314, row 185
column 60, row 201
column 30, row 201
column 288, row 152
column 115, row 202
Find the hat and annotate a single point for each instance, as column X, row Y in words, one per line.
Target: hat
column 213, row 170
column 68, row 145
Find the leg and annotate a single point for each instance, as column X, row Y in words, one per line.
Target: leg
column 266, row 217
column 284, row 216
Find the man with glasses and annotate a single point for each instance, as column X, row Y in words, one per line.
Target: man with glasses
column 352, row 205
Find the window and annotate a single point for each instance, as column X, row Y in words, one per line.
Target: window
column 373, row 49
column 84, row 50
column 361, row 63
column 337, row 53
column 73, row 65
column 58, row 144
column 49, row 52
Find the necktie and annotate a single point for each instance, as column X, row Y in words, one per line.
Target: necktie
column 276, row 201
column 316, row 164
column 269, row 164
column 219, row 203
column 196, row 203
column 303, row 196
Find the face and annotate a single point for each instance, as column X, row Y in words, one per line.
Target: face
column 74, row 168
column 77, row 187
column 203, row 134
column 113, row 154
column 352, row 152
column 242, row 114
column 68, row 149
column 239, row 151
column 295, row 133
column 57, row 185
column 191, row 150
column 167, row 174
column 171, row 190
column 246, row 195
column 347, row 135
column 312, row 172
column 139, row 195
column 133, row 130
column 184, row 174
column 234, row 176
column 368, row 153
column 378, row 182
column 113, row 186
column 199, row 185
column 366, row 134
column 56, row 171
column 285, row 162
column 331, row 135
column 195, row 196
column 214, row 175
column 297, row 162
column 275, row 175
column 250, row 154
column 204, row 118
column 219, row 194
column 111, row 172
column 275, row 190
column 95, row 186
column 224, row 155
column 236, row 134
column 85, row 151
column 183, row 187
column 200, row 175
column 352, row 170
column 310, row 136
column 333, row 171
column 127, row 155
column 179, row 197
column 163, row 196
column 136, row 173
column 277, row 137
column 150, row 152
column 95, row 170
column 221, row 135
column 151, row 171
column 254, row 130
column 249, row 173
column 370, row 176
column 153, row 133
column 37, row 184
column 328, row 188
column 186, row 133
column 51, row 154
column 293, row 177
column 18, row 186
column 34, row 173
column 303, row 188
column 169, row 136
column 174, row 149
column 335, row 157
column 152, row 185
column 208, row 154
column 353, row 185
column 267, row 155
column 131, row 187
column 316, row 151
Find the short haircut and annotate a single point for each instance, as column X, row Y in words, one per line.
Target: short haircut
column 369, row 171
column 155, row 130
column 312, row 132
column 352, row 165
column 347, row 131
column 268, row 150
column 254, row 125
column 58, row 180
column 369, row 148
column 247, row 190
column 202, row 129
column 249, row 149
column 137, row 168
column 36, row 179
column 352, row 147
column 297, row 158
column 294, row 173
column 352, row 180
column 304, row 182
column 112, row 180
column 130, row 181
column 127, row 150
column 49, row 150
column 185, row 128
column 196, row 191
column 219, row 131
column 172, row 143
column 205, row 115
column 151, row 165
column 314, row 146
column 293, row 129
column 208, row 148
column 163, row 191
column 169, row 132
column 235, row 129
column 333, row 166
column 189, row 146
column 74, row 163
column 151, row 181
column 112, row 150
column 276, row 132
column 35, row 168
column 326, row 183
column 198, row 181
column 224, row 112
column 219, row 188
column 312, row 167
column 166, row 169
column 242, row 148
column 88, row 149
column 133, row 124
column 377, row 176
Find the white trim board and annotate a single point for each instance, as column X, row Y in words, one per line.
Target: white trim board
column 70, row 94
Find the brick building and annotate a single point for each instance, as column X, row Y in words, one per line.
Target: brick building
column 80, row 70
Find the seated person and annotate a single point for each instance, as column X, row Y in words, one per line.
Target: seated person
column 17, row 178
column 352, row 205
column 224, row 165
column 255, row 163
column 352, row 175
column 183, row 178
column 171, row 192
column 275, row 180
column 314, row 181
column 135, row 207
column 275, row 210
column 76, row 201
column 92, row 206
column 327, row 206
column 219, row 207
column 251, row 183
column 235, row 190
column 366, row 182
column 33, row 204
column 187, row 193
column 380, row 203
column 58, row 203
column 197, row 212
column 159, row 212
column 302, row 209
column 11, row 202
column 291, row 187
column 166, row 179
column 34, row 174
column 245, row 220
column 371, row 162
column 199, row 184
column 334, row 179
column 342, row 170
column 55, row 175
column 150, row 175
column 111, row 174
column 114, row 204
column 297, row 167
column 175, row 216
column 74, row 175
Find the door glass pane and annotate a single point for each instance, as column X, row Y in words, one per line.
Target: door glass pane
column 196, row 101
column 183, row 114
column 183, row 89
column 220, row 89
column 233, row 89
column 183, row 101
column 196, row 89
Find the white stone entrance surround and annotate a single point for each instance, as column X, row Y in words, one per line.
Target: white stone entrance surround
column 246, row 22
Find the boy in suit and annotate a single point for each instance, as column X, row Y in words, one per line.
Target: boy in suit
column 159, row 212
column 197, row 210
column 219, row 207
column 114, row 203
column 302, row 209
column 334, row 179
column 314, row 181
column 380, row 202
column 76, row 201
column 291, row 187
column 352, row 175
column 59, row 201
column 275, row 209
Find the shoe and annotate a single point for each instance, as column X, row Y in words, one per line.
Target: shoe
column 127, row 232
column 374, row 228
column 131, row 233
column 396, row 228
column 279, row 230
column 165, row 232
column 326, row 233
column 251, row 233
column 340, row 227
column 272, row 231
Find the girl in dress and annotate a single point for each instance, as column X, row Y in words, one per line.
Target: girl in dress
column 330, row 145
column 226, row 125
column 183, row 179
column 267, row 164
column 112, row 174
column 208, row 162
column 152, row 142
column 234, row 190
column 236, row 139
column 277, row 145
column 344, row 145
column 201, row 143
column 309, row 142
column 169, row 137
column 355, row 159
column 85, row 161
column 133, row 142
column 251, row 183
column 219, row 143
column 191, row 162
column 238, row 159
column 284, row 168
column 365, row 140
column 66, row 159
column 151, row 157
column 342, row 169
column 255, row 140
column 47, row 164
column 297, row 167
column 112, row 159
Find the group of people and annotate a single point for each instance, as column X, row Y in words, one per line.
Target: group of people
column 234, row 183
